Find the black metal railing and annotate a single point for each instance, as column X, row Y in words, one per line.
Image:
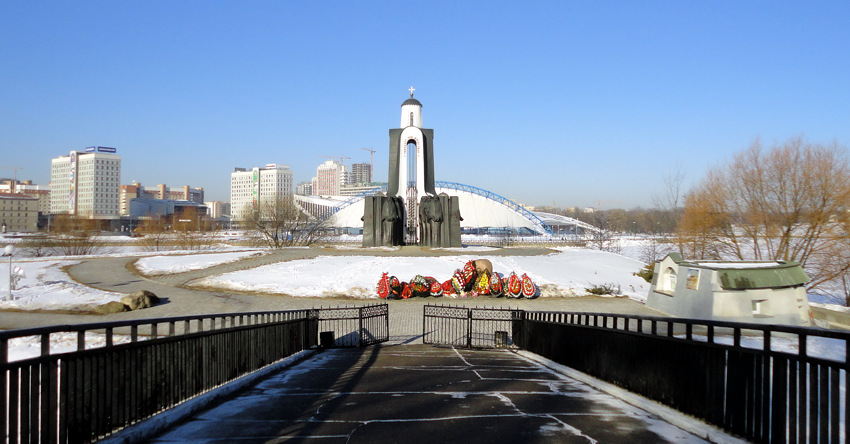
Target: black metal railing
column 141, row 367
column 354, row 326
column 768, row 383
column 468, row 327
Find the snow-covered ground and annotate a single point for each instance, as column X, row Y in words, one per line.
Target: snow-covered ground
column 568, row 272
column 30, row 346
column 47, row 287
column 565, row 273
column 183, row 263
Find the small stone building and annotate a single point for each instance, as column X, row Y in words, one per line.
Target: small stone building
column 766, row 292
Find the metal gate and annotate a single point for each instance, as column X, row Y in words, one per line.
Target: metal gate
column 470, row 327
column 353, row 326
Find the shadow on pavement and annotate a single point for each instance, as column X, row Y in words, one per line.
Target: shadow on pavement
column 422, row 394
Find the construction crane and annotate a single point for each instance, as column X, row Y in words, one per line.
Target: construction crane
column 341, row 158
column 371, row 157
column 600, row 202
column 15, row 180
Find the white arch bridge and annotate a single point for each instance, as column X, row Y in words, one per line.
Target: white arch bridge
column 483, row 212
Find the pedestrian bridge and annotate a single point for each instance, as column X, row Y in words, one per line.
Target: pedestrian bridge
column 734, row 376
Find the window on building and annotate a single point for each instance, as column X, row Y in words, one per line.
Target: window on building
column 668, row 281
column 693, row 279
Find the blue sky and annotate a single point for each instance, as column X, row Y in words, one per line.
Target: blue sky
column 567, row 102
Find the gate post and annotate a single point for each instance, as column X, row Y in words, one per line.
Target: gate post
column 387, row 321
column 468, row 328
column 360, row 327
column 518, row 328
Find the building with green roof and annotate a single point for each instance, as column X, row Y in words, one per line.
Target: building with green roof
column 768, row 292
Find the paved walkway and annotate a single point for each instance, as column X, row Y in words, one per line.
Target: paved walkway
column 422, row 394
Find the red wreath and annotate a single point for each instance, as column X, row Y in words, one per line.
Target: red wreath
column 384, row 286
column 528, row 289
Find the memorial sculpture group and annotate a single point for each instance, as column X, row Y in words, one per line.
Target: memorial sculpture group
column 476, row 278
column 384, row 221
column 411, row 212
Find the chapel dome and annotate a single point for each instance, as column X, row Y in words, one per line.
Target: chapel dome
column 411, row 101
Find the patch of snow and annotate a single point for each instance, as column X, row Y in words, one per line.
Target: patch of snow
column 739, row 265
column 833, row 307
column 27, row 347
column 182, row 263
column 46, row 286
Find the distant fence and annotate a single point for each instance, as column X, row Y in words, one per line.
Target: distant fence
column 767, row 383
column 500, row 241
column 354, row 326
column 468, row 326
column 530, row 241
column 147, row 366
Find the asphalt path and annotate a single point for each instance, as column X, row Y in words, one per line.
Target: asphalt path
column 422, row 394
column 180, row 299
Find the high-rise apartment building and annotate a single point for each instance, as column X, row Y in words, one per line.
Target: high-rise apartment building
column 329, row 178
column 86, row 183
column 361, row 174
column 250, row 188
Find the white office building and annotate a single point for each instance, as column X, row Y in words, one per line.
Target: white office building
column 251, row 187
column 86, row 183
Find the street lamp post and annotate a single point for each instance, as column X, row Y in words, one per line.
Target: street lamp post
column 9, row 250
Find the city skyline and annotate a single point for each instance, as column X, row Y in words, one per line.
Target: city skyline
column 571, row 103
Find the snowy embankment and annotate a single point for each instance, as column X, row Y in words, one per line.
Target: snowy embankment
column 568, row 272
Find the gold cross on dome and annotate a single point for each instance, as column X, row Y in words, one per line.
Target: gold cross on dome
column 411, row 91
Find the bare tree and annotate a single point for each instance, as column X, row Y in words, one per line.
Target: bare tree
column 193, row 231
column 38, row 246
column 76, row 236
column 671, row 199
column 788, row 202
column 604, row 238
column 703, row 224
column 155, row 235
column 280, row 223
column 653, row 250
